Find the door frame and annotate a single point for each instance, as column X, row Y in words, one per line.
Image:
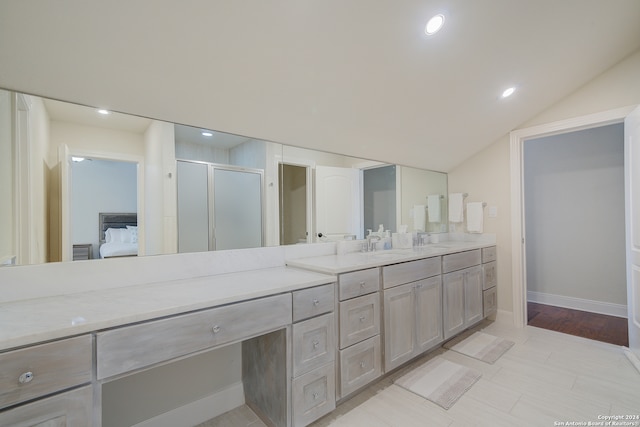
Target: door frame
column 517, row 139
column 310, row 166
column 66, row 182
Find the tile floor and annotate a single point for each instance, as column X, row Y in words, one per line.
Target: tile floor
column 545, row 379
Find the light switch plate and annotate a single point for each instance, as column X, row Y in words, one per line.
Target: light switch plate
column 493, row 211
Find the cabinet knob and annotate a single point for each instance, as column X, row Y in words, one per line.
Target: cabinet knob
column 362, row 284
column 216, row 329
column 316, row 344
column 316, row 301
column 25, row 377
column 315, row 396
column 362, row 318
column 362, row 365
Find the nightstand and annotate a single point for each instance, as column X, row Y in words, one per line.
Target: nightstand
column 82, row 251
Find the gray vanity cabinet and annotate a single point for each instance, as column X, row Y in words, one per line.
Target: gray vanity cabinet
column 313, row 344
column 360, row 352
column 412, row 311
column 462, row 291
column 490, row 281
column 69, row 409
column 42, row 375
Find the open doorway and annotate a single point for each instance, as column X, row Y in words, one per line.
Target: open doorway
column 293, row 196
column 573, row 186
column 100, row 186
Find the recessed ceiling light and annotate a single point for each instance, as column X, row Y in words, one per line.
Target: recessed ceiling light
column 508, row 92
column 205, row 133
column 105, row 112
column 434, row 25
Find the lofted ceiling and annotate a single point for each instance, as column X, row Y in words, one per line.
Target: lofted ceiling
column 356, row 77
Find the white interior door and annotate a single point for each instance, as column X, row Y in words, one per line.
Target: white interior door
column 337, row 202
column 632, row 202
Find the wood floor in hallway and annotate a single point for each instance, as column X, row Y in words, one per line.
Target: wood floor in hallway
column 599, row 327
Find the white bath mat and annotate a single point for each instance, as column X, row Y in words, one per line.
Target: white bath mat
column 440, row 381
column 481, row 346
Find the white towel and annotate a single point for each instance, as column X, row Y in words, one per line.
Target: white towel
column 433, row 207
column 418, row 217
column 475, row 217
column 455, row 207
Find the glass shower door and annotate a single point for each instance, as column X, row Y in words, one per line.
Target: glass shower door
column 237, row 209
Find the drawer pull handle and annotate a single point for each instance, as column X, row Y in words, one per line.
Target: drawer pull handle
column 315, row 396
column 316, row 344
column 362, row 284
column 362, row 365
column 362, row 318
column 216, row 329
column 25, row 377
column 316, row 301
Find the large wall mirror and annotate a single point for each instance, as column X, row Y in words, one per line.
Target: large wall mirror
column 81, row 183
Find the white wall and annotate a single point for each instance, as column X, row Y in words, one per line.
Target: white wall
column 41, row 162
column 574, row 216
column 93, row 140
column 99, row 186
column 486, row 175
column 160, row 226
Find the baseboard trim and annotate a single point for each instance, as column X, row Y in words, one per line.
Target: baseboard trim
column 503, row 316
column 197, row 412
column 633, row 358
column 608, row 308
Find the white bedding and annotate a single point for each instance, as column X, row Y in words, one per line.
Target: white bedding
column 120, row 242
column 113, row 249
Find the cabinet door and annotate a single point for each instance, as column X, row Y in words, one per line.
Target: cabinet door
column 473, row 295
column 453, row 303
column 429, row 313
column 399, row 325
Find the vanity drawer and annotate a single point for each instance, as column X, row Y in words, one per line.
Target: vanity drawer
column 359, row 365
column 313, row 301
column 313, row 343
column 460, row 260
column 359, row 319
column 69, row 409
column 489, row 254
column 133, row 347
column 43, row 369
column 489, row 301
column 406, row 272
column 358, row 283
column 489, row 278
column 314, row 394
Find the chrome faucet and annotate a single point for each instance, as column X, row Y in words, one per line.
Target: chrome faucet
column 371, row 242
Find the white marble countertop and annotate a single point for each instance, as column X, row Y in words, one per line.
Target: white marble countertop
column 336, row 264
column 34, row 320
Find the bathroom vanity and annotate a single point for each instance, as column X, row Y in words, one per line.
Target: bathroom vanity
column 314, row 327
